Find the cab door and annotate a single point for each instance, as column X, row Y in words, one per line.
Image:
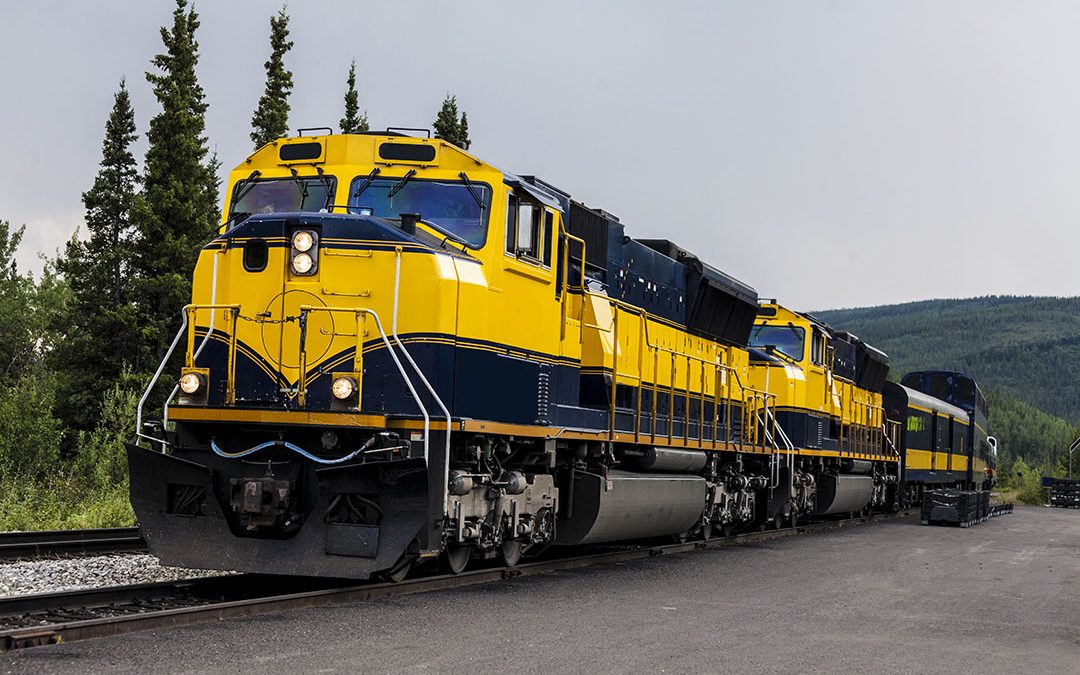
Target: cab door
column 527, row 315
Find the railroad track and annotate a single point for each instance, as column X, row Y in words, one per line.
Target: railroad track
column 48, row 618
column 15, row 545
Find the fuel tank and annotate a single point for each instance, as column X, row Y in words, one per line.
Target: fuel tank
column 843, row 493
column 626, row 505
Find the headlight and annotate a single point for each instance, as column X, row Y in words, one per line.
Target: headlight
column 302, row 263
column 190, row 383
column 303, row 241
column 343, row 388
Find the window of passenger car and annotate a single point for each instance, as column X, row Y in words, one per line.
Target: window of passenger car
column 919, row 433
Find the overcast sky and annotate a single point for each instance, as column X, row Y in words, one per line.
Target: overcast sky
column 830, row 154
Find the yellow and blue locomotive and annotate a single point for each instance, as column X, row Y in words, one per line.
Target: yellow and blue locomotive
column 397, row 352
column 827, row 386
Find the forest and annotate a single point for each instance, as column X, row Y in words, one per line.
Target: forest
column 80, row 340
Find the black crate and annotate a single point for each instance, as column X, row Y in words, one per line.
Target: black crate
column 955, row 507
column 1064, row 492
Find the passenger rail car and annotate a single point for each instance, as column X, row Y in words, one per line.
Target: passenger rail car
column 943, row 415
column 397, row 352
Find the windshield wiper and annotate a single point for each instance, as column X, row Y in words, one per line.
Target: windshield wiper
column 401, row 183
column 246, row 184
column 773, row 350
column 367, row 183
column 328, row 205
column 472, row 190
column 302, row 186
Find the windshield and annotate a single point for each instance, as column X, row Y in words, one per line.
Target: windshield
column 278, row 195
column 449, row 206
column 787, row 340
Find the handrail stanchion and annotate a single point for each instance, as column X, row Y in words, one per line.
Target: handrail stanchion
column 614, row 374
column 655, row 388
column 686, row 405
column 230, row 377
column 671, row 401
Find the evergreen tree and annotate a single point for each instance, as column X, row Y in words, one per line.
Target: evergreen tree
column 447, row 125
column 463, row 132
column 353, row 122
column 101, row 320
column 177, row 209
column 271, row 118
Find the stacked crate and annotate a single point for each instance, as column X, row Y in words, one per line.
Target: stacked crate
column 1065, row 492
column 959, row 507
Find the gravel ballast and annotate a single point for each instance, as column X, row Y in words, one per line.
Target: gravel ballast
column 45, row 575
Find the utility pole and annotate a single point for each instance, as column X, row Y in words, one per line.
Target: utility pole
column 1072, row 449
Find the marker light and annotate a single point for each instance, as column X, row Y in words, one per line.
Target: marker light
column 343, row 388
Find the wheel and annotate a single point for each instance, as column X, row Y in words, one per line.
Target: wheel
column 398, row 573
column 511, row 551
column 706, row 530
column 456, row 557
column 777, row 522
column 794, row 520
column 728, row 530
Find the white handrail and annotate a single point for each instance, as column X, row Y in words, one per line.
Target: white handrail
column 150, row 387
column 206, row 338
column 438, row 400
column 393, row 355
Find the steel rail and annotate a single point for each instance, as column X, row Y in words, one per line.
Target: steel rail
column 15, row 545
column 250, row 594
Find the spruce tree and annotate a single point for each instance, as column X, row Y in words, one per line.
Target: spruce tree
column 463, row 132
column 177, row 212
column 447, row 126
column 101, row 319
column 271, row 118
column 353, row 122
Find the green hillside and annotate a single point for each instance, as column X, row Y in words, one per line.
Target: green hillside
column 1025, row 346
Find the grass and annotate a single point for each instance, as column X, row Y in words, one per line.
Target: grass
column 62, row 504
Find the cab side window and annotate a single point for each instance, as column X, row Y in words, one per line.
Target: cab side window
column 528, row 231
column 817, row 348
column 549, row 227
column 526, row 224
column 511, row 223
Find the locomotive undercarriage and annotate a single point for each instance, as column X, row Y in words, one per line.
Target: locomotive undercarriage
column 380, row 512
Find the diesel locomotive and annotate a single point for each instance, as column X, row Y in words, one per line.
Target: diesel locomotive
column 396, row 352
